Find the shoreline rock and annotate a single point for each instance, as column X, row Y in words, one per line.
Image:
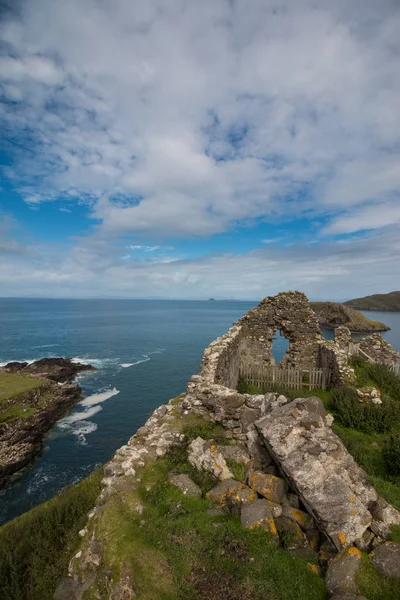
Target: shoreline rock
column 22, row 439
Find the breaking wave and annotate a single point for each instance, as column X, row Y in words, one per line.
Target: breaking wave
column 98, row 398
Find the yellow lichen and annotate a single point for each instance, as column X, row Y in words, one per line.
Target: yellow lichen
column 353, row 552
column 342, row 538
column 313, row 568
column 352, row 498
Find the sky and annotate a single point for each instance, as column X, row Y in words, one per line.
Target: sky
column 186, row 149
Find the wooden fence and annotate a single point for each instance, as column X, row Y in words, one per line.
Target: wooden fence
column 289, row 378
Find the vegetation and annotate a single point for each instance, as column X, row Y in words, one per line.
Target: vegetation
column 382, row 302
column 366, row 416
column 14, row 390
column 333, row 314
column 176, row 550
column 36, row 547
column 391, row 453
column 13, row 385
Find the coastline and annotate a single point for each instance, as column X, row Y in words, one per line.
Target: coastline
column 26, row 417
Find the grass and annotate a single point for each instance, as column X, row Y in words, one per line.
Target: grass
column 373, row 586
column 13, row 385
column 175, row 550
column 36, row 547
column 13, row 393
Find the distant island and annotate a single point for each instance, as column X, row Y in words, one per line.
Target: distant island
column 383, row 302
column 333, row 314
column 211, row 299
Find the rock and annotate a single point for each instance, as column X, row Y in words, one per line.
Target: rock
column 204, row 456
column 56, row 369
column 236, row 453
column 217, row 511
column 185, row 484
column 292, row 500
column 384, row 516
column 330, row 484
column 313, row 538
column 290, row 533
column 231, row 493
column 342, row 571
column 271, row 487
column 386, row 559
column 257, row 514
column 346, row 596
column 306, row 553
column 68, row 589
column 295, row 514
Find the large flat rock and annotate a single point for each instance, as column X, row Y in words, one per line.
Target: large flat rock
column 334, row 489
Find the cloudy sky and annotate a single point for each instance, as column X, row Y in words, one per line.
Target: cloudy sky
column 186, row 149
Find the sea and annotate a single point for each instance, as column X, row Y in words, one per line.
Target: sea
column 144, row 351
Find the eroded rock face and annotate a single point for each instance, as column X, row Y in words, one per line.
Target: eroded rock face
column 334, row 489
column 61, row 370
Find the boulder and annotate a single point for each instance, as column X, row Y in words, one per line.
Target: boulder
column 185, row 484
column 257, row 514
column 384, row 516
column 231, row 493
column 234, row 452
column 271, row 487
column 303, row 520
column 205, row 456
column 334, row 489
column 342, row 572
column 347, row 596
column 386, row 559
column 290, row 533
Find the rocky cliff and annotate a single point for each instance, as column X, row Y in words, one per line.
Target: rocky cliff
column 34, row 402
column 331, row 315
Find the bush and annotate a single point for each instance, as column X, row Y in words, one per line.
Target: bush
column 366, row 417
column 391, row 453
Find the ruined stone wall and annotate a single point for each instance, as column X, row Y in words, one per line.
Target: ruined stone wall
column 221, row 359
column 291, row 314
column 379, row 350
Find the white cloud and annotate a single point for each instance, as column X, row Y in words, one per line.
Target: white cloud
column 131, row 106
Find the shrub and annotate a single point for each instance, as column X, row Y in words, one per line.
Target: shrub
column 391, row 453
column 366, row 417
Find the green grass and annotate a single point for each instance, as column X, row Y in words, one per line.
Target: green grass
column 373, row 586
column 176, row 551
column 36, row 547
column 13, row 385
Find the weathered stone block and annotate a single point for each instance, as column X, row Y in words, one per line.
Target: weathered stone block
column 342, row 572
column 386, row 559
column 271, row 487
column 185, row 484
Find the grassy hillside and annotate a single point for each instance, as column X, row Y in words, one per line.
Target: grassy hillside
column 332, row 314
column 14, row 389
column 36, row 547
column 384, row 302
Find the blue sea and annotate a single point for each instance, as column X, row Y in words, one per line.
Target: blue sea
column 144, row 350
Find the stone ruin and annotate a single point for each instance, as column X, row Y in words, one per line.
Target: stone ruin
column 300, row 478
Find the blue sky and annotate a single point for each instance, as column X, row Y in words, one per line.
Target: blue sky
column 180, row 149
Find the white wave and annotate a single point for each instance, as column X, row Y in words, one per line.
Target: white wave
column 145, row 358
column 23, row 360
column 84, row 428
column 99, row 363
column 66, row 422
column 98, row 398
column 46, row 346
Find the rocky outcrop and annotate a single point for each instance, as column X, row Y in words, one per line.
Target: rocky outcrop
column 61, row 370
column 330, row 484
column 21, row 437
column 381, row 302
column 332, row 314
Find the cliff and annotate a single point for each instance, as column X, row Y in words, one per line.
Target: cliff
column 333, row 314
column 382, row 302
column 31, row 401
